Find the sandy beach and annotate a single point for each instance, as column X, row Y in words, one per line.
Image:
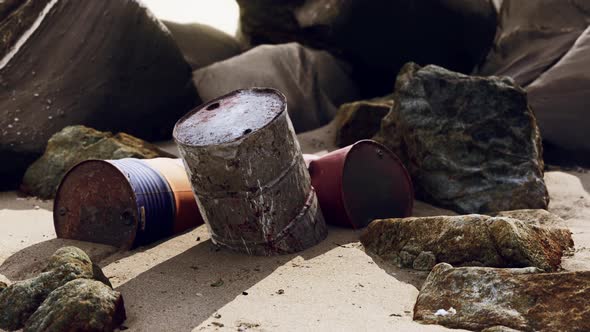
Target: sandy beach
column 185, row 283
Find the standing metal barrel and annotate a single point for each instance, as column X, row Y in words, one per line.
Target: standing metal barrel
column 123, row 203
column 248, row 174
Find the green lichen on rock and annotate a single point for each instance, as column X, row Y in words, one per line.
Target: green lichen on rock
column 79, row 305
column 21, row 299
column 75, row 144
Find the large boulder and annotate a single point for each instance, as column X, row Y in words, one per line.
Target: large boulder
column 314, row 82
column 201, row 44
column 470, row 143
column 544, row 52
column 106, row 64
column 78, row 143
column 531, row 37
column 520, row 299
column 559, row 98
column 79, row 305
column 471, row 240
column 361, row 119
column 20, row 300
column 377, row 36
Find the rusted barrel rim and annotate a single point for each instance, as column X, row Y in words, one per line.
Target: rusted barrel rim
column 233, row 93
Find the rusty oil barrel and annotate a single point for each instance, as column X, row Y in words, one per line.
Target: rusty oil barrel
column 124, row 203
column 360, row 183
column 248, row 174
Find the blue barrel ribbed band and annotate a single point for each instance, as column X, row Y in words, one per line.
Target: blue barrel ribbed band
column 155, row 200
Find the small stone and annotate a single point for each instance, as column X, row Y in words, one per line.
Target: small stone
column 281, row 292
column 216, row 315
column 425, row 261
column 79, row 305
column 361, row 119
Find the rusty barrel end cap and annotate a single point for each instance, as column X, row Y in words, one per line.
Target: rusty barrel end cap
column 95, row 203
column 230, row 117
column 375, row 184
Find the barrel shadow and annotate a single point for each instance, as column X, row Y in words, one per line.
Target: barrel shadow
column 190, row 287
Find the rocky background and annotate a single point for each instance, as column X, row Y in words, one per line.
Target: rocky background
column 477, row 98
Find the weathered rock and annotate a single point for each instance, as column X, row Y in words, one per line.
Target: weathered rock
column 514, row 298
column 531, row 38
column 20, row 300
column 78, row 143
column 106, row 64
column 79, row 305
column 4, row 282
column 377, row 36
column 499, row 329
column 361, row 119
column 537, row 217
column 425, row 261
column 471, row 240
column 71, row 255
column 314, row 82
column 201, row 44
column 471, row 144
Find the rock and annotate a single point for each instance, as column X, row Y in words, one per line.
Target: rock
column 79, row 305
column 377, row 36
column 499, row 329
column 201, row 44
column 536, row 217
column 531, row 38
column 4, row 282
column 471, row 240
column 71, row 255
column 107, row 64
column 314, row 82
column 559, row 99
column 20, row 300
column 361, row 119
column 425, row 261
column 470, row 143
column 78, row 143
column 519, row 299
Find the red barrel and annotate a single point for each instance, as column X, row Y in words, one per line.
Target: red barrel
column 360, row 183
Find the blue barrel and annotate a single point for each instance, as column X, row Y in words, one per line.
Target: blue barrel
column 154, row 197
column 123, row 203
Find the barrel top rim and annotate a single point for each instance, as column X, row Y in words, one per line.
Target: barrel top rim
column 189, row 132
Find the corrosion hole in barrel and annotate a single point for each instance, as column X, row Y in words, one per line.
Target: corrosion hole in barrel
column 247, row 131
column 212, row 106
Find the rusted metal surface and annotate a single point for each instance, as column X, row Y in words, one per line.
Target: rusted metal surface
column 123, row 203
column 187, row 213
column 360, row 183
column 248, row 174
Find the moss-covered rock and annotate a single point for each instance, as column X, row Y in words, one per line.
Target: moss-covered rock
column 78, row 143
column 22, row 298
column 79, row 305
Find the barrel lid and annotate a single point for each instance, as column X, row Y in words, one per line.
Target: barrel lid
column 230, row 117
column 375, row 184
column 95, row 203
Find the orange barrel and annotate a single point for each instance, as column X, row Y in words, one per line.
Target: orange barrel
column 186, row 210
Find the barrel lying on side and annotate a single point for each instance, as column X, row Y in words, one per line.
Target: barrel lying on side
column 248, row 174
column 123, row 203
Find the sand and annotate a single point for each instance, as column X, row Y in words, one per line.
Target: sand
column 334, row 286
